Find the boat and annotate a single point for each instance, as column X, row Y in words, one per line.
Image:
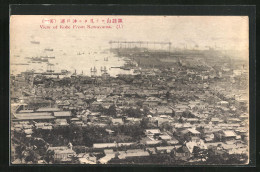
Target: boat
column 103, row 69
column 106, row 59
column 94, row 69
column 35, row 42
column 50, row 68
column 38, row 59
column 48, row 57
column 79, row 53
column 48, row 49
column 20, row 64
column 125, row 68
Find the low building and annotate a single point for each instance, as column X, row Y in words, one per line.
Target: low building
column 191, row 132
column 48, row 109
column 117, row 121
column 164, row 149
column 227, row 135
column 152, row 132
column 165, row 137
column 63, row 114
column 62, row 153
column 106, row 158
column 39, row 116
column 104, row 145
column 133, row 153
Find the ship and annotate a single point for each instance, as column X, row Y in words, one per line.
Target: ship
column 48, row 57
column 35, row 42
column 93, row 70
column 50, row 68
column 103, row 69
column 38, row 59
column 20, row 64
column 106, row 59
column 79, row 53
column 64, row 71
column 125, row 68
column 48, row 49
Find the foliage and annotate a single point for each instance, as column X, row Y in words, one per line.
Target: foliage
column 144, row 123
column 187, row 114
column 136, row 113
column 78, row 135
column 49, row 157
column 166, row 126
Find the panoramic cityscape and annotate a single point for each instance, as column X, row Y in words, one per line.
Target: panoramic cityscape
column 129, row 101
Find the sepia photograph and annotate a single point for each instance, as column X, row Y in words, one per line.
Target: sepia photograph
column 129, row 89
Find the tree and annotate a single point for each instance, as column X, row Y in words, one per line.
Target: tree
column 180, row 120
column 49, row 157
column 40, row 145
column 173, row 113
column 75, row 160
column 136, row 113
column 32, row 156
column 139, row 103
column 146, row 110
column 144, row 123
column 19, row 151
column 89, row 101
column 199, row 153
column 168, row 95
column 166, row 126
column 73, row 112
column 111, row 111
column 100, row 108
column 187, row 114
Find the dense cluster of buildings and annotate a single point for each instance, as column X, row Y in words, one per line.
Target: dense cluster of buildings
column 184, row 111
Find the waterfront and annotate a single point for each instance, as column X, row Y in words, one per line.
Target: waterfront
column 180, row 100
column 71, row 61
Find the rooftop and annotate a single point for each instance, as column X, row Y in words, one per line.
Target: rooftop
column 62, row 113
column 229, row 133
column 31, row 116
column 47, row 109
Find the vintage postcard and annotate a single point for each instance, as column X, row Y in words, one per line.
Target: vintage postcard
column 97, row 89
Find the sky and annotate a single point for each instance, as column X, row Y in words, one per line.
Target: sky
column 229, row 32
column 224, row 32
